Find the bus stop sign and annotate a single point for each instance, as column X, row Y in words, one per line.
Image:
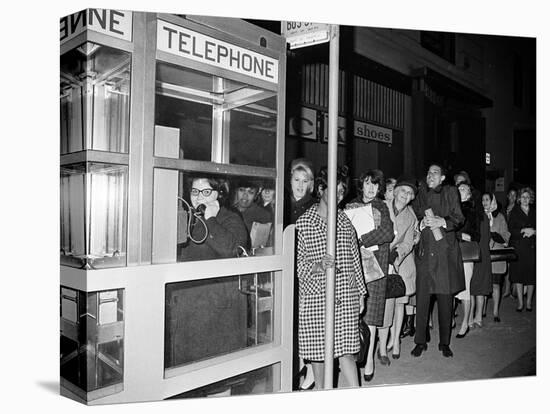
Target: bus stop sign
column 302, row 34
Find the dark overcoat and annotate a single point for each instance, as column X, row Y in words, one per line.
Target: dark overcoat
column 524, row 269
column 439, row 268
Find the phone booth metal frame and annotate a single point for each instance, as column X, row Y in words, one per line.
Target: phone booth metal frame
column 132, row 288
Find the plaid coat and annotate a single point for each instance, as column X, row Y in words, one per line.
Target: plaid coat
column 312, row 236
column 381, row 236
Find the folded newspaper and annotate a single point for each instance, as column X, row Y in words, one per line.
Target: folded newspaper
column 362, row 218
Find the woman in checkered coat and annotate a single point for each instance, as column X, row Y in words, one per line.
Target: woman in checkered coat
column 349, row 290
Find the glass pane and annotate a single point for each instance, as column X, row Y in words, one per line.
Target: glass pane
column 199, row 216
column 200, row 116
column 253, row 134
column 260, row 381
column 212, row 317
column 95, row 99
column 93, row 215
column 92, row 338
column 177, row 108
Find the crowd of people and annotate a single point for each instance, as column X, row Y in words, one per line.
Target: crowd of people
column 437, row 237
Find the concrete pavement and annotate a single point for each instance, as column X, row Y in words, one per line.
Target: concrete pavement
column 497, row 350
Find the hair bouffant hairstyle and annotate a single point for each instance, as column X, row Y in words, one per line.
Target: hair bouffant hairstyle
column 376, row 177
column 529, row 191
column 304, row 165
column 341, row 177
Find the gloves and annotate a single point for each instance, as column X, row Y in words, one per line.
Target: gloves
column 497, row 237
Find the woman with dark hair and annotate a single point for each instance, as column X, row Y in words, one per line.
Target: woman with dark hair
column 191, row 306
column 312, row 262
column 341, row 179
column 377, row 239
column 225, row 228
column 511, row 198
column 522, row 225
column 481, row 285
column 499, row 239
column 468, row 232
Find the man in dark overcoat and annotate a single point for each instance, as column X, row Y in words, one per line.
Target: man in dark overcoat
column 439, row 268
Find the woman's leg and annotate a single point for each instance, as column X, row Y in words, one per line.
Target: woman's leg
column 479, row 309
column 530, row 291
column 519, row 293
column 471, row 311
column 369, row 366
column 318, row 374
column 396, row 327
column 383, row 341
column 349, row 370
column 496, row 299
column 466, row 316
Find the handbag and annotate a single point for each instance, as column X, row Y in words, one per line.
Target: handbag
column 395, row 286
column 364, row 341
column 505, row 254
column 371, row 269
column 470, row 251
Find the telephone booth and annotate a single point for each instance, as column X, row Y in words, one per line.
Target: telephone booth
column 152, row 104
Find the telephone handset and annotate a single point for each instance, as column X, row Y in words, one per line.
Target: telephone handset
column 187, row 217
column 201, row 208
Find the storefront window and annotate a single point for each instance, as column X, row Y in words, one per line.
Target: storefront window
column 93, row 215
column 212, row 317
column 92, row 339
column 95, row 99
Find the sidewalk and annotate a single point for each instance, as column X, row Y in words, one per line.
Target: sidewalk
column 497, row 350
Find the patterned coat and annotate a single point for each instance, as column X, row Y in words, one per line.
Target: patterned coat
column 350, row 285
column 381, row 236
column 404, row 224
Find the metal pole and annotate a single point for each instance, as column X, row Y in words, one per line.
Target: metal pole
column 331, row 219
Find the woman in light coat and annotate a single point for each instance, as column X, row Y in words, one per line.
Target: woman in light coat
column 401, row 258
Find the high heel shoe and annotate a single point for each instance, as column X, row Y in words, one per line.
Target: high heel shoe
column 384, row 360
column 478, row 325
column 368, row 377
column 305, row 386
column 528, row 309
column 308, row 388
column 496, row 319
column 459, row 335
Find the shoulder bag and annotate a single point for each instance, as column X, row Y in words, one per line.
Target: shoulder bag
column 470, row 251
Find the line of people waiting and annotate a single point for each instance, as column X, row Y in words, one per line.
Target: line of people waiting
column 419, row 231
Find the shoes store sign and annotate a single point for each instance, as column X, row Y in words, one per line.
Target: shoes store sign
column 310, row 123
column 115, row 23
